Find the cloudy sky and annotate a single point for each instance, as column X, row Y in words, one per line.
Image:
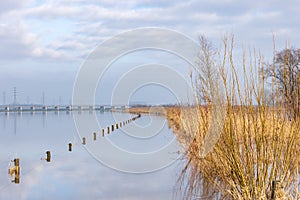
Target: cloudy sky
column 45, row 42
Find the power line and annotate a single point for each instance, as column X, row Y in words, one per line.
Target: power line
column 15, row 95
column 43, row 98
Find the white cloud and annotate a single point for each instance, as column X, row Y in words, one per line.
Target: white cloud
column 94, row 21
column 6, row 6
column 18, row 43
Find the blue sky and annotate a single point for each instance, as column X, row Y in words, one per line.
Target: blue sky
column 44, row 43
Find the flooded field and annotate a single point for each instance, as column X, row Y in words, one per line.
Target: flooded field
column 80, row 173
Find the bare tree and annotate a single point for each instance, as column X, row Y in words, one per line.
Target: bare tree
column 285, row 72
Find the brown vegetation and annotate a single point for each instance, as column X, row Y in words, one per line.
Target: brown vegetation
column 254, row 152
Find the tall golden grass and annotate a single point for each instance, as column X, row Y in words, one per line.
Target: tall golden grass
column 256, row 154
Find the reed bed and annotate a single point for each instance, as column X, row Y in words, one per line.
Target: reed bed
column 254, row 153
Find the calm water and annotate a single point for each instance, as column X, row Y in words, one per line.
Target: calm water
column 78, row 174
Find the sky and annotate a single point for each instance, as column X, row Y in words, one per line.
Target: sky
column 44, row 43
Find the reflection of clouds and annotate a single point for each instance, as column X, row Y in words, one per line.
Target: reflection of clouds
column 85, row 178
column 21, row 191
column 136, row 155
column 142, row 140
column 70, row 175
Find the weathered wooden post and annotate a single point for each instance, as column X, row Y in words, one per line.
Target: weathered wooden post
column 83, row 141
column 108, row 130
column 95, row 136
column 17, row 162
column 120, row 124
column 70, row 146
column 112, row 128
column 103, row 132
column 48, row 158
column 117, row 126
column 15, row 171
column 273, row 189
column 17, row 179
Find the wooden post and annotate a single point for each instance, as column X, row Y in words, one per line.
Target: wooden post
column 95, row 136
column 83, row 141
column 17, row 170
column 48, row 158
column 17, row 162
column 17, row 166
column 17, row 179
column 273, row 190
column 117, row 126
column 70, row 146
column 120, row 124
column 108, row 130
column 112, row 128
column 103, row 132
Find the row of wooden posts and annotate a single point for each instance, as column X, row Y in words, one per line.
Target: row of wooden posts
column 108, row 129
column 15, row 170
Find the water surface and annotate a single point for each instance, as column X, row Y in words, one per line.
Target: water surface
column 77, row 174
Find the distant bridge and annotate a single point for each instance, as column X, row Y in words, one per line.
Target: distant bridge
column 45, row 108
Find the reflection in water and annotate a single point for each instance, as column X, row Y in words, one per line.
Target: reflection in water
column 44, row 118
column 15, row 123
column 7, row 116
column 4, row 120
column 72, row 173
column 191, row 183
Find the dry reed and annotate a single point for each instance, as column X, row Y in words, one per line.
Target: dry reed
column 257, row 143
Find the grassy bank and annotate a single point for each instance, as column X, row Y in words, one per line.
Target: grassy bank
column 256, row 156
column 251, row 151
column 255, row 149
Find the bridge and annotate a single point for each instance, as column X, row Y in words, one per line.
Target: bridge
column 46, row 108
